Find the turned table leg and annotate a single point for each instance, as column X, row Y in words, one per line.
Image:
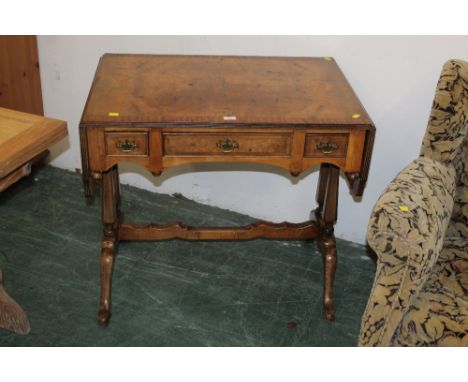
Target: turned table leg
column 110, row 219
column 326, row 214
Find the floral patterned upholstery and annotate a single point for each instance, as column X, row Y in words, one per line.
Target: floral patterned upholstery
column 418, row 229
column 446, row 139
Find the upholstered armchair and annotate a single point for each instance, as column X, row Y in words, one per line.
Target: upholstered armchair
column 419, row 231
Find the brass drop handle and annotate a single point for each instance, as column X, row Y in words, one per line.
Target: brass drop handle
column 126, row 146
column 327, row 147
column 227, row 145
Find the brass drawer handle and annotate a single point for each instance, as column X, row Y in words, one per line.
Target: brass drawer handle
column 126, row 146
column 227, row 145
column 327, row 147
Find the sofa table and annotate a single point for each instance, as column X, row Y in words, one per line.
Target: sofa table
column 164, row 111
column 24, row 140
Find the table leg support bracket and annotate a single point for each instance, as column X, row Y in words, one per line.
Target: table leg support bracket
column 260, row 229
column 320, row 227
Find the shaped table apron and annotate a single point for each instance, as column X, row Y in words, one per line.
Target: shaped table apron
column 160, row 148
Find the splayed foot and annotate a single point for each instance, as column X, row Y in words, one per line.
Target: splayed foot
column 12, row 317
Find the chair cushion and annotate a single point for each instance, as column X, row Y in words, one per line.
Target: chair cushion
column 439, row 315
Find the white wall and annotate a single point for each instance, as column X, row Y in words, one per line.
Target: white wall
column 394, row 77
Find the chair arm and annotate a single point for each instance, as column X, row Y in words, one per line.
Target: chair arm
column 406, row 230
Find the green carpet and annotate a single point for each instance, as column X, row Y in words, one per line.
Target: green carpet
column 172, row 293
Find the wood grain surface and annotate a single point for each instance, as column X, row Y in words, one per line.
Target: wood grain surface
column 20, row 82
column 222, row 89
column 24, row 135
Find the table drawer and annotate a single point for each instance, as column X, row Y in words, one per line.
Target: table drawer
column 126, row 144
column 227, row 144
column 326, row 145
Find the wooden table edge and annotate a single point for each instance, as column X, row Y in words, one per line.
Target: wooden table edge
column 49, row 132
